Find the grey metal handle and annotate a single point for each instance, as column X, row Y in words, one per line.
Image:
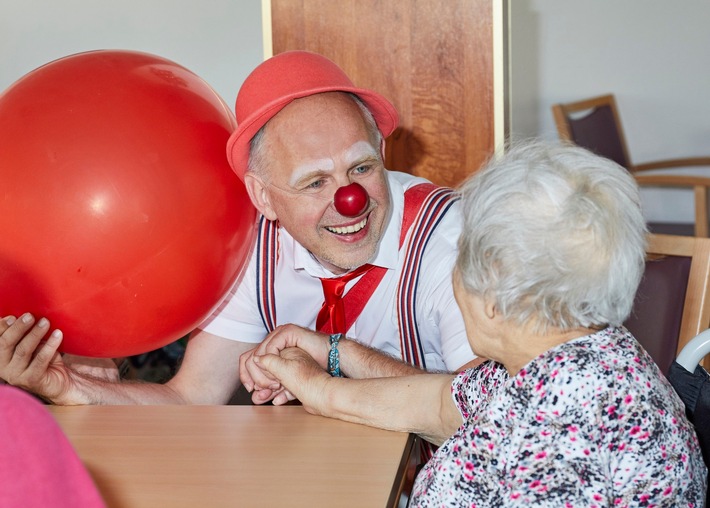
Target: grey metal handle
column 694, row 351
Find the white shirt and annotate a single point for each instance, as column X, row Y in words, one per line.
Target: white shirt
column 299, row 293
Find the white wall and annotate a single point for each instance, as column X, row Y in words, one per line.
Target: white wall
column 219, row 40
column 654, row 55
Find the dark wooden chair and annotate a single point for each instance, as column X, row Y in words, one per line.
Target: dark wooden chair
column 672, row 303
column 595, row 124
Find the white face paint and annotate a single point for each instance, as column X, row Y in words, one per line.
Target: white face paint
column 321, row 178
column 319, row 144
column 309, row 169
column 361, row 151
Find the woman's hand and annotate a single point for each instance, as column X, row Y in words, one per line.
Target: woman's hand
column 29, row 358
column 264, row 385
column 300, row 375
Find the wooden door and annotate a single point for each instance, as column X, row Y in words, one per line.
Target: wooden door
column 441, row 63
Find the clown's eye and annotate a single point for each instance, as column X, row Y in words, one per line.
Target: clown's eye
column 317, row 184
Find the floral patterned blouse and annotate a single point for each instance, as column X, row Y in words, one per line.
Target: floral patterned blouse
column 591, row 422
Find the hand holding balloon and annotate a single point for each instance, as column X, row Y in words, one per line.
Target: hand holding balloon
column 107, row 156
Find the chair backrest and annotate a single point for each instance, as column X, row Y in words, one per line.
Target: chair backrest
column 594, row 124
column 672, row 303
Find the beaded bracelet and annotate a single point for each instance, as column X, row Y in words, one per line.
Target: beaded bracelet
column 334, row 355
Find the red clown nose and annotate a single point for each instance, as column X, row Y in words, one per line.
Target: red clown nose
column 351, row 200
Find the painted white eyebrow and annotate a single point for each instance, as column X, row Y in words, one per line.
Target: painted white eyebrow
column 362, row 150
column 311, row 168
column 359, row 151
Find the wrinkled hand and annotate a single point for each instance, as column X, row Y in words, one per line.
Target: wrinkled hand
column 29, row 358
column 265, row 386
column 300, row 375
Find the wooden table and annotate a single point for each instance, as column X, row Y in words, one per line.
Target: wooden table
column 214, row 456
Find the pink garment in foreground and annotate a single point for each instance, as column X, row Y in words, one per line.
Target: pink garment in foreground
column 38, row 466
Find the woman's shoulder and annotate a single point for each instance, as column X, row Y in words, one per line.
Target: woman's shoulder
column 595, row 372
column 611, row 354
column 611, row 378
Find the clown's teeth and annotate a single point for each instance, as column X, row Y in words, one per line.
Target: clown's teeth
column 349, row 229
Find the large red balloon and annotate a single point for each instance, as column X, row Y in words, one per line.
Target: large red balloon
column 121, row 220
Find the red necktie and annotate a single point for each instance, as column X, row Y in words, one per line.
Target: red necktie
column 332, row 314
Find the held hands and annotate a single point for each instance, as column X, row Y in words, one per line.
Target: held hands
column 301, row 376
column 264, row 384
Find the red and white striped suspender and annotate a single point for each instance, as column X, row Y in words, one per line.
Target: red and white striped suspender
column 267, row 253
column 432, row 205
column 424, row 206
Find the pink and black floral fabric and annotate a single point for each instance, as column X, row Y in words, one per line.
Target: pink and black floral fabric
column 589, row 423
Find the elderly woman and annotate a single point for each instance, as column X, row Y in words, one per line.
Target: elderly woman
column 569, row 410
